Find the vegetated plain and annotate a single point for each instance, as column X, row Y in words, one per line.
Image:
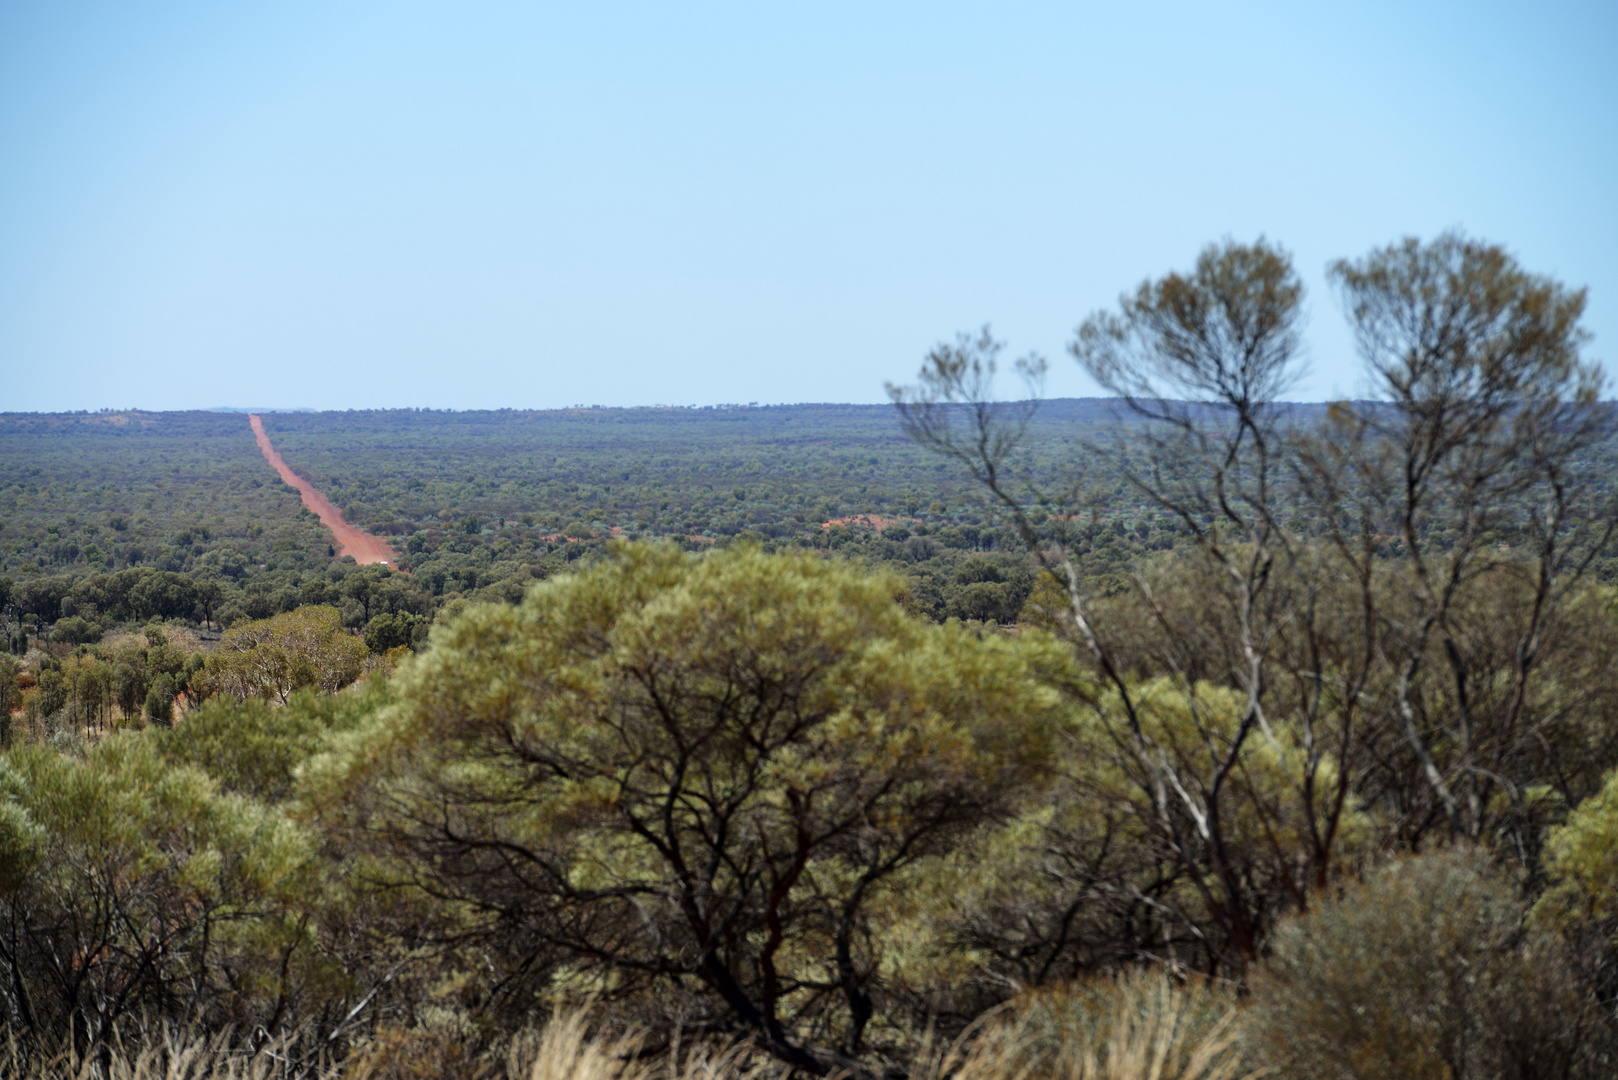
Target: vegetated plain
column 481, row 504
column 1302, row 760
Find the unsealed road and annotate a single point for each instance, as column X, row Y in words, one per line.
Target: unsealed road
column 350, row 541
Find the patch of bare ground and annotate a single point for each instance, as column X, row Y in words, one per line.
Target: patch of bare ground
column 350, row 540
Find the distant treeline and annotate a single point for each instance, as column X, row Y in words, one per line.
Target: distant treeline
column 181, row 492
column 109, row 519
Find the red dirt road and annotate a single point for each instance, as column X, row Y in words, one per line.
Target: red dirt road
column 350, row 541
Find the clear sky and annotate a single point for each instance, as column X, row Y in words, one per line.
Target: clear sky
column 474, row 205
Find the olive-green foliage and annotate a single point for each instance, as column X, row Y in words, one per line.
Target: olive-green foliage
column 274, row 658
column 108, row 519
column 1581, row 858
column 160, row 701
column 1427, row 969
column 253, row 749
column 117, row 518
column 98, row 685
column 1395, row 595
column 490, row 501
column 76, row 609
column 392, row 631
column 520, row 475
column 182, row 492
column 721, row 775
column 132, row 883
column 75, row 630
column 751, row 791
column 1095, row 885
column 10, row 695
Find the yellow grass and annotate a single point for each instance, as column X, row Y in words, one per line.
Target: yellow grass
column 1137, row 1027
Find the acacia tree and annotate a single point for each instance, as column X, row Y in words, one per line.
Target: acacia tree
column 6, row 607
column 276, row 657
column 129, row 885
column 1197, row 361
column 209, row 596
column 1475, row 479
column 1255, row 796
column 713, row 778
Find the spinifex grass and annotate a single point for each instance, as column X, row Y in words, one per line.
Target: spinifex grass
column 1136, row 1027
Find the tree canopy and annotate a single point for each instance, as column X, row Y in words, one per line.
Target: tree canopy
column 708, row 771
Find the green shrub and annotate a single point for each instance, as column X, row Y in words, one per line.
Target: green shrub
column 1426, row 969
column 250, row 748
column 10, row 692
column 129, row 886
column 75, row 630
column 1581, row 858
column 160, row 700
column 395, row 629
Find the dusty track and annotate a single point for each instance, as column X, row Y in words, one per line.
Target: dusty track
column 350, row 541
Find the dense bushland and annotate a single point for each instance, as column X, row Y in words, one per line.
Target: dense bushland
column 1324, row 787
column 178, row 492
column 747, row 795
column 110, row 520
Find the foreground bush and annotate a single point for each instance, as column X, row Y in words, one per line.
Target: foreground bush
column 131, row 885
column 1427, row 969
column 711, row 784
column 749, row 807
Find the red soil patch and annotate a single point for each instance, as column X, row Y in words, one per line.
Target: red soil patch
column 866, row 521
column 350, row 541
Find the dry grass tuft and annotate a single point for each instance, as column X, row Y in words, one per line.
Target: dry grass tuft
column 1139, row 1026
column 568, row 1049
column 1142, row 1026
column 167, row 1053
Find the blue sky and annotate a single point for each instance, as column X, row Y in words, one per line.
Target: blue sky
column 480, row 205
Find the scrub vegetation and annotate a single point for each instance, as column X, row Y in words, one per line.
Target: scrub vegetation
column 482, row 505
column 1277, row 740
